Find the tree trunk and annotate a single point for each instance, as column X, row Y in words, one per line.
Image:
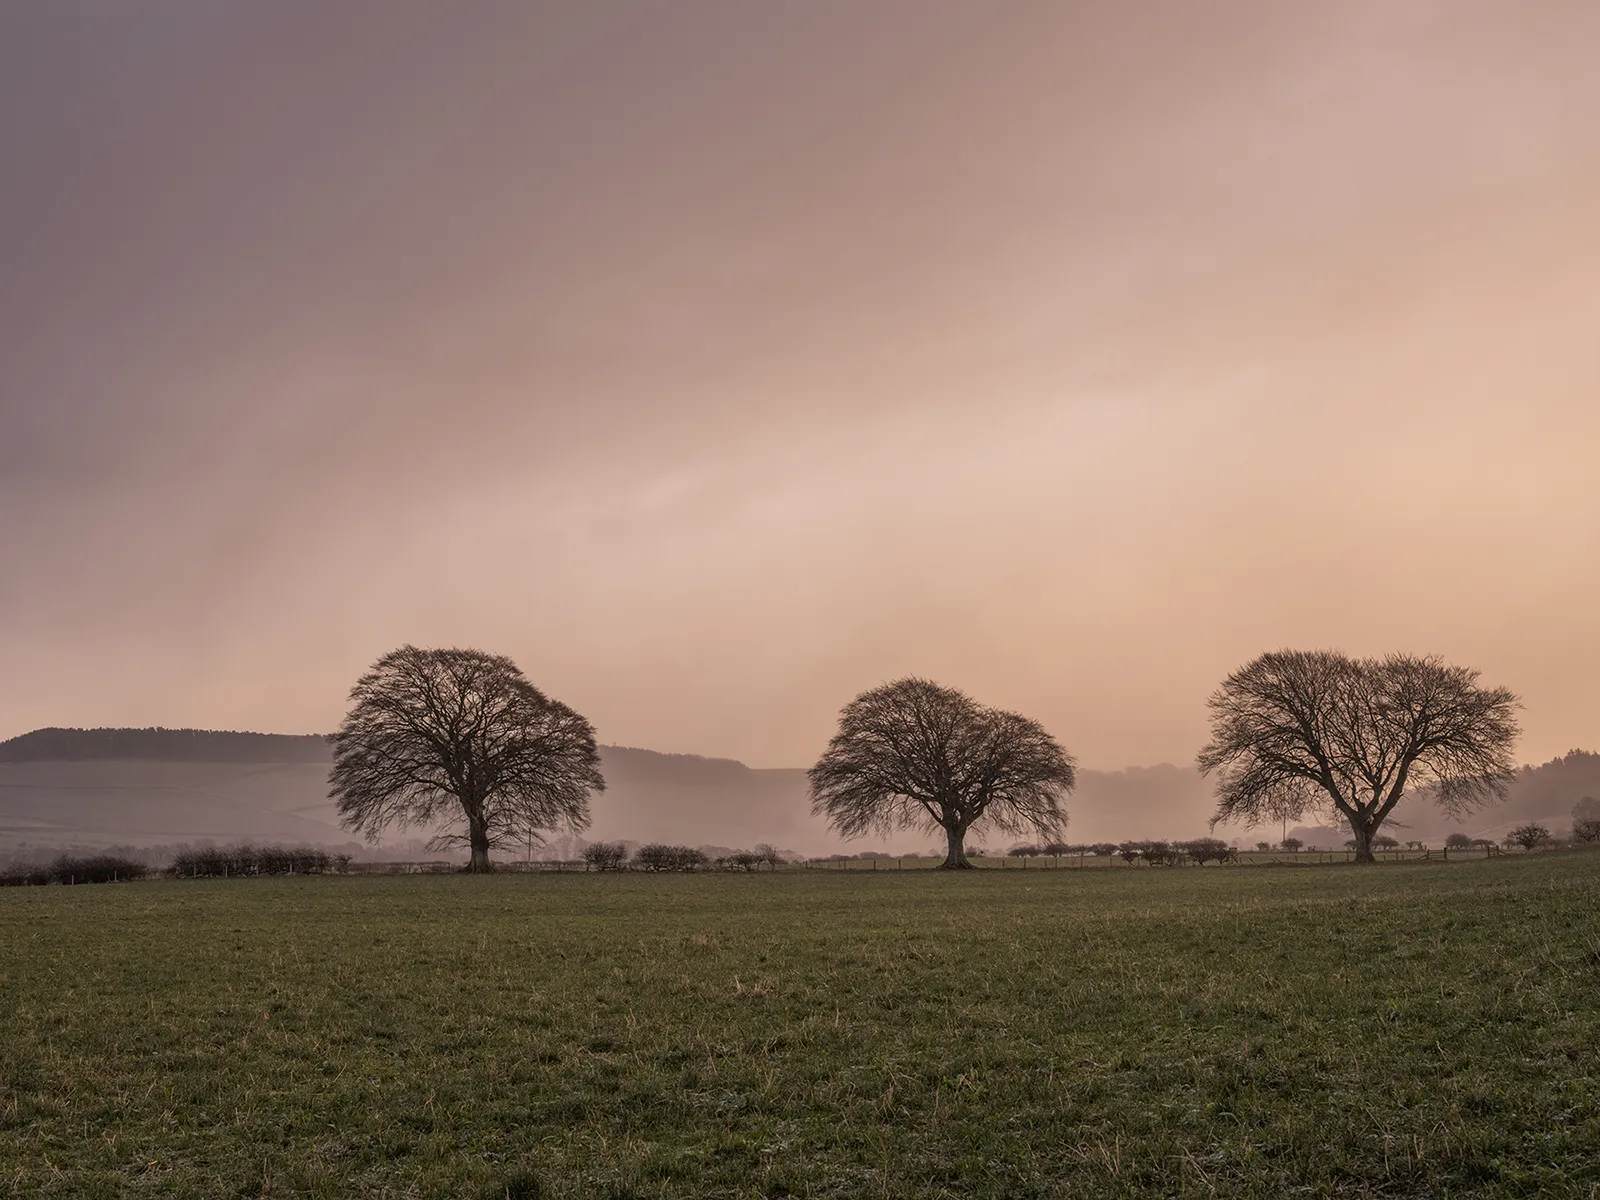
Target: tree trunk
column 955, row 858
column 1364, row 835
column 478, row 837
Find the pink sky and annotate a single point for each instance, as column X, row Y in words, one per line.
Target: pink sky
column 717, row 361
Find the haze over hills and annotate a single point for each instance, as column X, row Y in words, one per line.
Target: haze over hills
column 148, row 787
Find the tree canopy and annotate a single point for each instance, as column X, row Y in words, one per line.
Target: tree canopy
column 1317, row 729
column 914, row 755
column 459, row 739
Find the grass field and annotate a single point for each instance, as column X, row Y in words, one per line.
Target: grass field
column 1415, row 1029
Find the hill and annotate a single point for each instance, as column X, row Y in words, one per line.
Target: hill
column 163, row 745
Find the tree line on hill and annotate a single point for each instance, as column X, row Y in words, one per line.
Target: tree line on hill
column 163, row 745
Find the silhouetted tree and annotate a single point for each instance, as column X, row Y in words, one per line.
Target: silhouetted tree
column 461, row 736
column 1204, row 850
column 914, row 755
column 1296, row 729
column 1528, row 836
column 605, row 856
column 1586, row 820
column 769, row 854
column 1158, row 854
column 1292, row 845
column 1458, row 841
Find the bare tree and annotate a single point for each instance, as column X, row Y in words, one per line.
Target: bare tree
column 461, row 738
column 914, row 755
column 605, row 856
column 769, row 854
column 1529, row 837
column 1586, row 820
column 1315, row 729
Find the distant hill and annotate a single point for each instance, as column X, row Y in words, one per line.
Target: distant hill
column 1545, row 793
column 85, row 787
column 163, row 745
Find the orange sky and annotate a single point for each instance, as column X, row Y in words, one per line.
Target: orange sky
column 717, row 361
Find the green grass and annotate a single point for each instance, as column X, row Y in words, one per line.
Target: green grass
column 1416, row 1029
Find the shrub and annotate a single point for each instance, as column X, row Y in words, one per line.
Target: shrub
column 1204, row 850
column 657, row 856
column 742, row 860
column 605, row 856
column 1129, row 852
column 1103, row 849
column 95, row 868
column 227, row 862
column 1159, row 854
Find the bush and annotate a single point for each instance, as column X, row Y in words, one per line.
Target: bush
column 1025, row 850
column 1265, row 846
column 1159, row 854
column 742, row 860
column 96, row 868
column 1292, row 845
column 605, row 856
column 659, row 857
column 1204, row 850
column 1129, row 852
column 228, row 862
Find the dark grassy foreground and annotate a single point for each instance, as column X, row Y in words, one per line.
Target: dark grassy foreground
column 1401, row 1030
